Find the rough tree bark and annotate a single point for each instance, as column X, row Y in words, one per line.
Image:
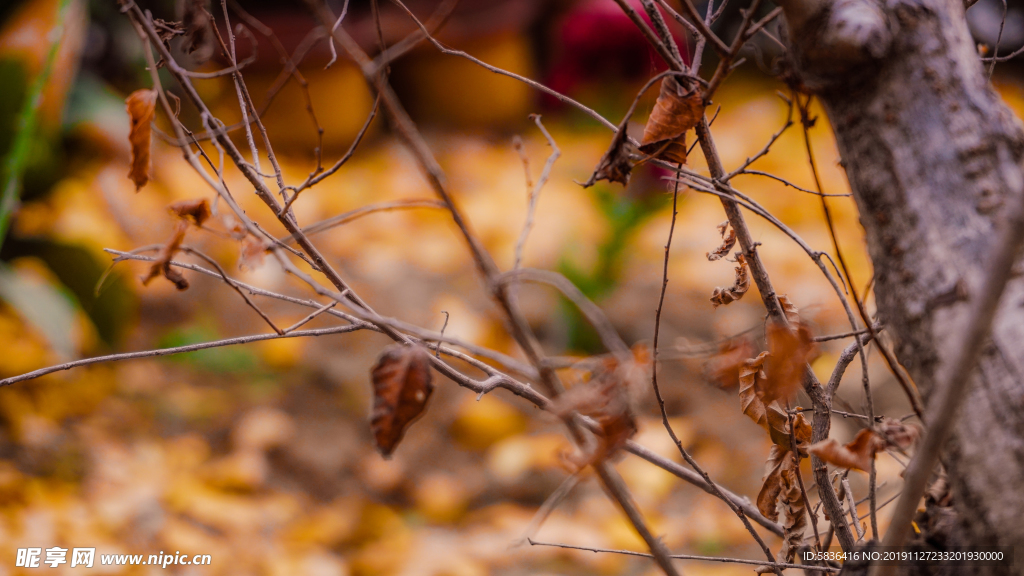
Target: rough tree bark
column 932, row 155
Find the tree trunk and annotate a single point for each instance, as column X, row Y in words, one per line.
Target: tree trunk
column 931, row 154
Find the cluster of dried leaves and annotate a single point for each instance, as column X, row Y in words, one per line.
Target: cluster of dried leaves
column 767, row 384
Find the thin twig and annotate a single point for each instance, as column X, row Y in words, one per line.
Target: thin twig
column 535, row 191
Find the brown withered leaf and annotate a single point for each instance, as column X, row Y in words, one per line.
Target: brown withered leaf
column 605, row 398
column 195, row 210
column 723, row 296
column 857, row 454
column 768, row 415
column 771, row 485
column 789, row 309
column 402, row 384
column 199, row 36
column 723, row 369
column 615, row 165
column 781, row 490
column 252, row 253
column 779, row 425
column 728, row 241
column 141, row 106
column 676, row 111
column 751, row 379
column 794, row 512
column 899, row 434
column 790, row 350
column 162, row 264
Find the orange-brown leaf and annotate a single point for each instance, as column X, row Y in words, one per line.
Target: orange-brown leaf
column 252, row 253
column 789, row 309
column 771, row 487
column 728, row 241
column 676, row 111
column 402, row 384
column 752, row 378
column 857, row 454
column 195, row 210
column 899, row 434
column 605, row 398
column 162, row 264
column 794, row 511
column 791, row 348
column 141, row 106
column 723, row 369
column 722, row 296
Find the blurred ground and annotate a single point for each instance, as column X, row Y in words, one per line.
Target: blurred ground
column 261, row 455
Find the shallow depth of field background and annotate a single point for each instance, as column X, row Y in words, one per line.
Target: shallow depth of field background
column 261, row 455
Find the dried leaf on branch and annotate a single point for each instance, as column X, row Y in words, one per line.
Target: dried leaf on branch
column 402, row 384
column 754, row 384
column 194, row 211
column 781, row 490
column 676, row 111
column 141, row 106
column 857, row 454
column 723, row 296
column 771, row 487
column 861, row 450
column 728, row 241
column 794, row 514
column 162, row 264
column 606, row 399
column 723, row 369
column 252, row 253
column 899, row 434
column 615, row 165
column 753, row 381
column 198, row 25
column 790, row 348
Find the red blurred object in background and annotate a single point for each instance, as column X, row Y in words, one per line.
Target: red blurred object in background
column 594, row 41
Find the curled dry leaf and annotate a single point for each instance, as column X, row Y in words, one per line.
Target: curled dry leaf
column 722, row 296
column 141, row 106
column 162, row 264
column 789, row 309
column 781, row 490
column 615, row 165
column 769, row 415
column 857, row 454
column 771, row 486
column 723, row 369
column 752, row 379
column 728, row 241
column 196, row 210
column 794, row 512
column 676, row 111
column 401, row 387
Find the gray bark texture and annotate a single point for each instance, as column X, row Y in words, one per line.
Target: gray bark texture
column 931, row 154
